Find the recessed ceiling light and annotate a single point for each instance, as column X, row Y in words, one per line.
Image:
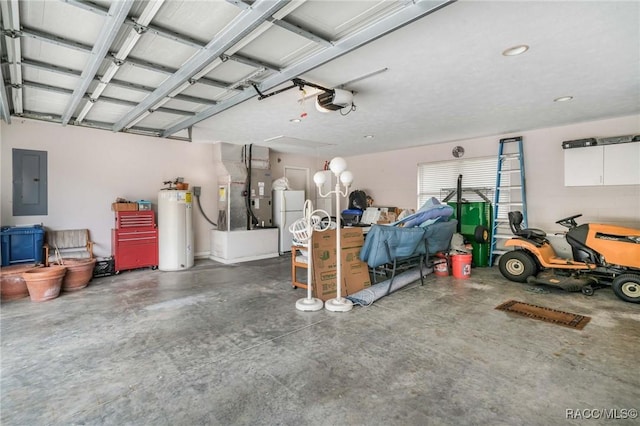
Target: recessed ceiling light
column 295, row 120
column 515, row 50
column 369, row 136
column 563, row 99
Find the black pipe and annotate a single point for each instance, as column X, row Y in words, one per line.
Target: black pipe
column 202, row 211
column 251, row 217
column 459, row 204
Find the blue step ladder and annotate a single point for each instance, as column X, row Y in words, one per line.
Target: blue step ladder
column 510, row 194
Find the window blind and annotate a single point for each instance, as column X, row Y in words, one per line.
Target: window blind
column 439, row 179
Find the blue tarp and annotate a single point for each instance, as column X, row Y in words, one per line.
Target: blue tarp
column 405, row 242
column 407, row 237
column 430, row 212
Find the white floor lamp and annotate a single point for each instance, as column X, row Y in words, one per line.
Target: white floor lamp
column 302, row 230
column 339, row 168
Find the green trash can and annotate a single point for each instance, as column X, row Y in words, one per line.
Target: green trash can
column 473, row 215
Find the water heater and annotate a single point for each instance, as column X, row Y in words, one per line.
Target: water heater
column 175, row 230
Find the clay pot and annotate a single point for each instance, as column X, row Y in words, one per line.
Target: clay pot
column 12, row 284
column 44, row 283
column 79, row 273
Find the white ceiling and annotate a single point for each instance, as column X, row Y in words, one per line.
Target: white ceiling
column 439, row 78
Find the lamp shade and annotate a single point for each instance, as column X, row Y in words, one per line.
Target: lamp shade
column 319, row 178
column 346, row 177
column 338, row 165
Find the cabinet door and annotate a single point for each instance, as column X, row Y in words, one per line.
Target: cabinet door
column 622, row 164
column 583, row 166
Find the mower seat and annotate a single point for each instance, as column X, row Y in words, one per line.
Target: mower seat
column 538, row 236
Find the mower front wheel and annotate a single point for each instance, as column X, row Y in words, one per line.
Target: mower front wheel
column 517, row 265
column 627, row 287
column 587, row 290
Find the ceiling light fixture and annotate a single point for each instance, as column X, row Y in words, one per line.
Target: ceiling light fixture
column 516, row 50
column 295, row 120
column 368, row 136
column 563, row 99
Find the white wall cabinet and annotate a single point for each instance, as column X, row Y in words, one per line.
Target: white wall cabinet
column 616, row 164
column 584, row 166
column 622, row 164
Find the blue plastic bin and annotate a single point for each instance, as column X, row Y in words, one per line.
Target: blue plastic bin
column 21, row 244
column 351, row 216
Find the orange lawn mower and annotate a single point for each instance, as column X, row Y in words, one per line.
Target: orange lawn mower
column 602, row 255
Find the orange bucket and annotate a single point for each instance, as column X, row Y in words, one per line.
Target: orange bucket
column 461, row 265
column 440, row 268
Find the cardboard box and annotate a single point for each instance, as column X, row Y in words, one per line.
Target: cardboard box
column 124, row 207
column 355, row 273
column 324, row 284
column 386, row 218
column 350, row 237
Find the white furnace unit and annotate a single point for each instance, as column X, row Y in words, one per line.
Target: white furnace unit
column 175, row 230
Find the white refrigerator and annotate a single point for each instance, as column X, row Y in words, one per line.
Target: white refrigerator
column 287, row 208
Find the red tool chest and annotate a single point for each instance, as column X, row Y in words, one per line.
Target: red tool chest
column 134, row 241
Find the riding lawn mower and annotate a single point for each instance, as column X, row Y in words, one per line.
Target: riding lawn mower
column 602, row 255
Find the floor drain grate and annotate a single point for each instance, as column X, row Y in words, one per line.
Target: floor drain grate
column 541, row 313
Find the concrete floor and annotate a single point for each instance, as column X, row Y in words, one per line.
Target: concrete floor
column 223, row 344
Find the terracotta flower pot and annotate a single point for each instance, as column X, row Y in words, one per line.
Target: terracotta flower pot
column 12, row 284
column 44, row 283
column 79, row 273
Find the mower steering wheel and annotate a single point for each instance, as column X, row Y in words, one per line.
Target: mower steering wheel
column 569, row 222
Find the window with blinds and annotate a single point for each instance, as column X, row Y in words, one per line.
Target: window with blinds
column 440, row 179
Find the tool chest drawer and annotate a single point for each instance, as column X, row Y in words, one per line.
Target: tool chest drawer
column 135, row 220
column 132, row 249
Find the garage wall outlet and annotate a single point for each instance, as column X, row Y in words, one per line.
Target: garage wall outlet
column 196, row 191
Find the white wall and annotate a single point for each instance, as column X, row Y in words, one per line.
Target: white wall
column 280, row 160
column 88, row 169
column 391, row 177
